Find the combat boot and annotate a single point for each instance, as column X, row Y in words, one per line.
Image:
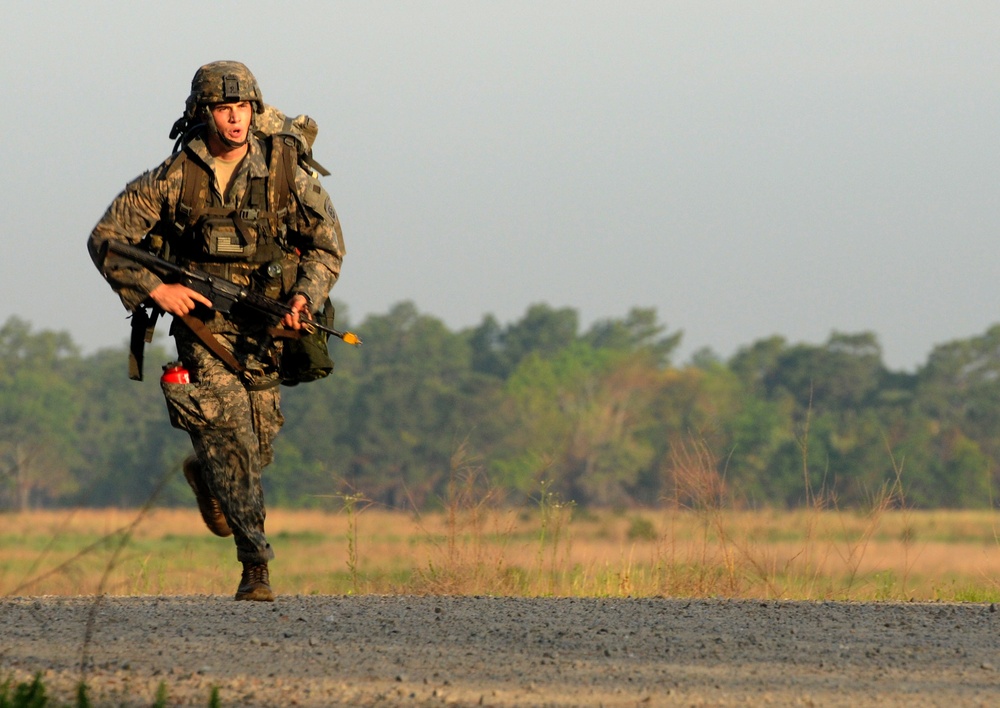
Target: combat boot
column 255, row 583
column 208, row 505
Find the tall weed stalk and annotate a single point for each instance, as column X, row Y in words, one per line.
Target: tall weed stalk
column 352, row 505
column 554, row 516
column 470, row 556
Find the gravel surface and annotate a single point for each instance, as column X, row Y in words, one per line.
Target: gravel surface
column 358, row 651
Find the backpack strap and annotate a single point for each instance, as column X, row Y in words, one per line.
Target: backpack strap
column 281, row 167
column 194, row 195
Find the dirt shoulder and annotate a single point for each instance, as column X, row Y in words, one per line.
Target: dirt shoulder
column 321, row 651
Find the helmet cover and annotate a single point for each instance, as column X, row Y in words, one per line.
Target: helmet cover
column 224, row 82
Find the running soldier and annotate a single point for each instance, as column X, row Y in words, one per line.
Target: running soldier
column 238, row 204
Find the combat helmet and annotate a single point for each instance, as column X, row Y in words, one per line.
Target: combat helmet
column 224, row 82
column 217, row 82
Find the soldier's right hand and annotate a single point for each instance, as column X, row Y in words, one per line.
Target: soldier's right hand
column 177, row 299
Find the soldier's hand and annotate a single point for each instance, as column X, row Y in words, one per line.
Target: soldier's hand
column 299, row 313
column 177, row 299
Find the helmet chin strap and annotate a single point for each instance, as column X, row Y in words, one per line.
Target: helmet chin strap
column 232, row 143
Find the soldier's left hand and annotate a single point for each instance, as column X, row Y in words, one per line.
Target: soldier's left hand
column 299, row 313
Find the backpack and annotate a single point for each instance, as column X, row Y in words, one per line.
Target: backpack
column 301, row 128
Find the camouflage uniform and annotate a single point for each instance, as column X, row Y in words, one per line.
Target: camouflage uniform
column 232, row 418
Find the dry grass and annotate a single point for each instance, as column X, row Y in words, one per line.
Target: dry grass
column 554, row 549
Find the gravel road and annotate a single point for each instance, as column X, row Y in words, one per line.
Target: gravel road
column 375, row 650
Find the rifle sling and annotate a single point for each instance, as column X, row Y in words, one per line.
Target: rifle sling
column 202, row 332
column 143, row 324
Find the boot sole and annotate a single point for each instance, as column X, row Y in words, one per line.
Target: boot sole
column 256, row 594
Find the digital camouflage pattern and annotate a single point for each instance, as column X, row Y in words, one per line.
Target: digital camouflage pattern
column 223, row 82
column 232, row 429
column 232, row 419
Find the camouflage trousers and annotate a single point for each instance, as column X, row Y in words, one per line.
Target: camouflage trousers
column 232, row 428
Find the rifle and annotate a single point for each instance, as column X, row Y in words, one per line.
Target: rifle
column 223, row 293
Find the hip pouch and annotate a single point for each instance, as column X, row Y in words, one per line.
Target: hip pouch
column 307, row 358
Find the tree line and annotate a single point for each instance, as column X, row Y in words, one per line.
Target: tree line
column 602, row 417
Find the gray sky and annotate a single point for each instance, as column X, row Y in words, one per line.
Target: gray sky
column 746, row 168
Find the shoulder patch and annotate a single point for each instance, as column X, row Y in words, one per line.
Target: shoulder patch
column 315, row 197
column 330, row 211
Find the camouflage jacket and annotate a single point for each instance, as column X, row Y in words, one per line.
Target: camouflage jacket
column 149, row 202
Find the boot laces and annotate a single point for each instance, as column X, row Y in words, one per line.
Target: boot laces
column 256, row 574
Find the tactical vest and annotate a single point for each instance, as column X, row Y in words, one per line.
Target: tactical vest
column 248, row 243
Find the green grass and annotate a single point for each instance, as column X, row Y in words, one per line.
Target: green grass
column 548, row 550
column 33, row 694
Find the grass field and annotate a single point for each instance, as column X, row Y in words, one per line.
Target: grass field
column 548, row 550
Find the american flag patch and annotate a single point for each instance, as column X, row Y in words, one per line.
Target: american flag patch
column 228, row 243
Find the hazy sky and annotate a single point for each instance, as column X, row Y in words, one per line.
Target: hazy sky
column 746, row 168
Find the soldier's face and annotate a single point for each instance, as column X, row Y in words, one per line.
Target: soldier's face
column 233, row 120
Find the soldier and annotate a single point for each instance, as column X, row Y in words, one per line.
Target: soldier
column 239, row 205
